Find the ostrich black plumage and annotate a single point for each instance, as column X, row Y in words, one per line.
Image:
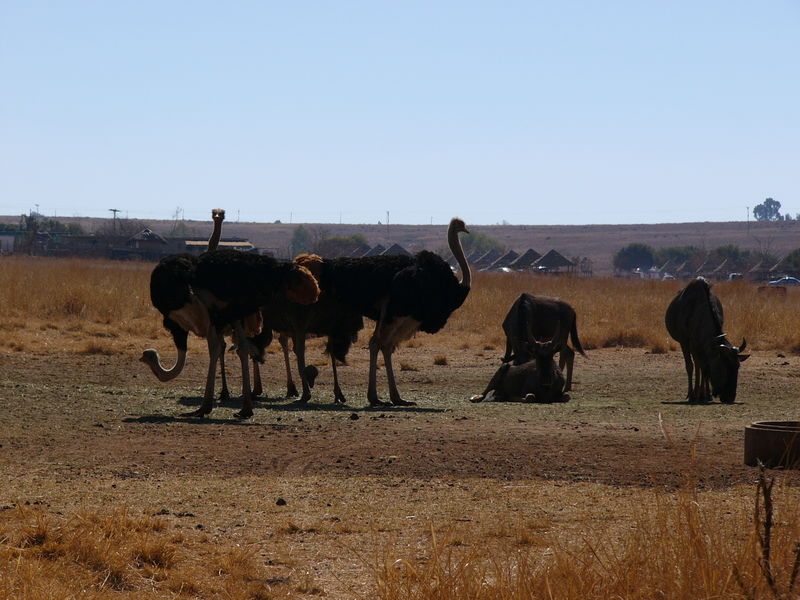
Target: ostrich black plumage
column 421, row 297
column 232, row 286
column 171, row 294
column 403, row 295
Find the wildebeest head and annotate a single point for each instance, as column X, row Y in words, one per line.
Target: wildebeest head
column 724, row 368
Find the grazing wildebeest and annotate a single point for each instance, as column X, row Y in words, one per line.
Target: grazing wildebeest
column 538, row 380
column 694, row 319
column 539, row 317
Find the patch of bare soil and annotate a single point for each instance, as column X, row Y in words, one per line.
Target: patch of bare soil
column 100, row 431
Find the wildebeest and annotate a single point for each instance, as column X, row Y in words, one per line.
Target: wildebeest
column 539, row 317
column 694, row 319
column 538, row 380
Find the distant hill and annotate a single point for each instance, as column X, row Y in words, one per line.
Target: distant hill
column 597, row 242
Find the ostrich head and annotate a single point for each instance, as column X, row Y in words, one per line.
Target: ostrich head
column 458, row 226
column 217, row 215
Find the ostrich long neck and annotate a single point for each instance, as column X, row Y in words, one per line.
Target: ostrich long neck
column 455, row 247
column 213, row 241
column 166, row 374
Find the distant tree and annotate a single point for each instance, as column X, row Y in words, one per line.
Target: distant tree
column 339, row 246
column 301, row 241
column 792, row 260
column 480, row 242
column 736, row 257
column 634, row 256
column 677, row 254
column 54, row 226
column 769, row 210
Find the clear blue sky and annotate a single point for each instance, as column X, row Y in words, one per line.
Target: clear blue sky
column 526, row 112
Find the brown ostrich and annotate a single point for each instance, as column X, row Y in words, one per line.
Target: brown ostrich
column 232, row 286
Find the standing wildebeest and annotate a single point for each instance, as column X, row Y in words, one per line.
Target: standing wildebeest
column 538, row 380
column 539, row 317
column 694, row 319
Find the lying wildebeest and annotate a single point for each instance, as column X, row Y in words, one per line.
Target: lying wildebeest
column 539, row 317
column 538, row 380
column 694, row 319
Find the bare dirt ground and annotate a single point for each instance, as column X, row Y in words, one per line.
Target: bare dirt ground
column 99, row 432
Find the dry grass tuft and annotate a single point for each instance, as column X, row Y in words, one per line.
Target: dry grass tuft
column 681, row 547
column 440, row 359
column 404, row 366
column 88, row 555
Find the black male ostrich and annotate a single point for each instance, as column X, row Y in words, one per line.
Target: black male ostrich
column 171, row 293
column 232, row 286
column 403, row 294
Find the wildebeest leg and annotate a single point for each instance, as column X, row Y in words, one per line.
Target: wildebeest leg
column 706, row 386
column 566, row 356
column 214, row 351
column 338, row 395
column 697, row 391
column 243, row 350
column 494, row 383
column 687, row 361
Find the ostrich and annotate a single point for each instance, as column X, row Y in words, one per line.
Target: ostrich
column 421, row 297
column 171, row 293
column 232, row 286
column 403, row 295
column 329, row 316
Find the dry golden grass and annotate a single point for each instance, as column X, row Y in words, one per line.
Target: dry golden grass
column 103, row 307
column 681, row 547
column 92, row 555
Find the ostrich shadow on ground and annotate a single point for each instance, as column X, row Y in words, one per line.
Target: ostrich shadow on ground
column 272, row 405
column 690, row 403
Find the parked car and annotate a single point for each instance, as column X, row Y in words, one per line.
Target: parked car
column 785, row 281
column 732, row 276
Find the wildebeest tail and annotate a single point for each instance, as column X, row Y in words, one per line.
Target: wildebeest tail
column 573, row 333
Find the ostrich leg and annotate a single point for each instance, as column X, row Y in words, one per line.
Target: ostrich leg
column 243, row 350
column 291, row 388
column 299, row 342
column 338, row 395
column 374, row 346
column 214, row 351
column 394, row 394
column 224, row 393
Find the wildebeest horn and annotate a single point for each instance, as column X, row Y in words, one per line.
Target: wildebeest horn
column 743, row 346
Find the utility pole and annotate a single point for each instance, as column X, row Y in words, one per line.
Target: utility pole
column 114, row 223
column 748, row 219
